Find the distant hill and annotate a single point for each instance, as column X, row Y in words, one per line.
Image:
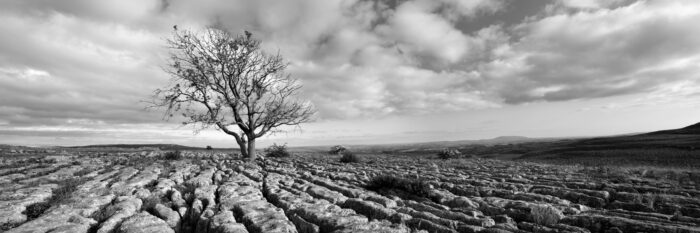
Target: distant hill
column 432, row 147
column 666, row 147
column 689, row 130
column 137, row 146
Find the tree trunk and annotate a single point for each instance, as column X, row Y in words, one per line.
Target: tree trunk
column 243, row 148
column 251, row 149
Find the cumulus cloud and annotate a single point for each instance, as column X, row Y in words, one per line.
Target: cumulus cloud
column 591, row 4
column 589, row 54
column 89, row 63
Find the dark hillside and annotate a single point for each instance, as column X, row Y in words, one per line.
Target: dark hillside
column 677, row 147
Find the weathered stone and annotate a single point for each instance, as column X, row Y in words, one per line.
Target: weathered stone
column 302, row 225
column 370, row 209
column 429, row 226
column 224, row 222
column 261, row 216
column 461, row 202
column 169, row 215
column 144, row 223
column 203, row 223
column 596, row 223
column 329, row 217
column 11, row 210
column 329, row 195
column 125, row 207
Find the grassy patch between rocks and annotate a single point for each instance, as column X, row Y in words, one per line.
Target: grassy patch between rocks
column 416, row 187
column 59, row 195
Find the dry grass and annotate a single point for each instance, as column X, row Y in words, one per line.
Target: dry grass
column 59, row 196
column 416, row 187
column 349, row 157
column 545, row 214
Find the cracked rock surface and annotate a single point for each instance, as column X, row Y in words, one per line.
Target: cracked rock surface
column 128, row 192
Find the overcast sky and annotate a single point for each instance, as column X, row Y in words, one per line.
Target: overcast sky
column 74, row 72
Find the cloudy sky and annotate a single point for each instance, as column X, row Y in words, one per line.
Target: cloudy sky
column 74, row 72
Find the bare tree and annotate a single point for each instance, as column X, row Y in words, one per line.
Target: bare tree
column 228, row 82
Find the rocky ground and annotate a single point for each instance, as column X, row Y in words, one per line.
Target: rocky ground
column 140, row 192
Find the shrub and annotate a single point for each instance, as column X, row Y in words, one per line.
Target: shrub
column 449, row 154
column 337, row 149
column 173, row 155
column 151, row 185
column 149, row 203
column 277, row 151
column 416, row 187
column 35, row 210
column 545, row 215
column 349, row 157
column 209, row 148
column 187, row 192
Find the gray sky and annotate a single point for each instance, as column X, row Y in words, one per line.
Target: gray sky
column 73, row 72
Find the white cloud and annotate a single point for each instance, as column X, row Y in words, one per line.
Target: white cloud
column 599, row 53
column 357, row 58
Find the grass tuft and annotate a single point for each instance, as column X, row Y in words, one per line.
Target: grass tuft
column 173, row 155
column 545, row 215
column 349, row 157
column 416, row 187
column 59, row 196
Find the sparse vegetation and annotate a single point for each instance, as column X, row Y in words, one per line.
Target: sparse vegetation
column 149, row 203
column 59, row 195
column 417, row 187
column 546, row 215
column 173, row 155
column 277, row 151
column 337, row 149
column 84, row 171
column 349, row 157
column 187, row 192
column 102, row 214
column 151, row 185
column 37, row 209
column 449, row 154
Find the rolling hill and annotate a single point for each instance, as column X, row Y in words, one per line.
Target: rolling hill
column 676, row 147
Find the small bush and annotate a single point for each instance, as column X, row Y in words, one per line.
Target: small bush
column 37, row 209
column 416, row 187
column 9, row 225
column 277, row 151
column 545, row 215
column 149, row 203
column 449, row 154
column 349, row 157
column 151, row 185
column 173, row 155
column 187, row 192
column 336, row 150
